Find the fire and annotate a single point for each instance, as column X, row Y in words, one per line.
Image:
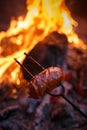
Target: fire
column 43, row 16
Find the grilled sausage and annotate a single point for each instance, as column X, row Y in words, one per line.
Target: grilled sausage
column 48, row 79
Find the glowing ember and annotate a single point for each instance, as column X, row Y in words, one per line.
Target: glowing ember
column 43, row 16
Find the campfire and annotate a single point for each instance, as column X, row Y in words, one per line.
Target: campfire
column 47, row 34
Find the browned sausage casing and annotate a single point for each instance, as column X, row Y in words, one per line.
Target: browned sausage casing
column 48, row 79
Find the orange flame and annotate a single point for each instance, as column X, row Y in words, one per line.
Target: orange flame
column 43, row 16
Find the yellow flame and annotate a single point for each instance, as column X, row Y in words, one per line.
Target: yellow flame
column 43, row 16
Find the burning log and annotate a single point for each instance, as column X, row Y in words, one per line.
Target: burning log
column 49, row 52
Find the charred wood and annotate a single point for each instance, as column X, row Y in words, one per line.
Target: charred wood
column 49, row 52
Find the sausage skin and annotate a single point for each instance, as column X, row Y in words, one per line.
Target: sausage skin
column 48, row 79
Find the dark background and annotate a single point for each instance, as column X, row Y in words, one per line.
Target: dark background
column 9, row 8
column 78, row 9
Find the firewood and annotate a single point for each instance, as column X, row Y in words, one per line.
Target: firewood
column 49, row 52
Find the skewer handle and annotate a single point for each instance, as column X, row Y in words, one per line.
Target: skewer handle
column 74, row 106
column 35, row 61
column 63, row 96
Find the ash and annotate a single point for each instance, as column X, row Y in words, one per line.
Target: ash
column 18, row 111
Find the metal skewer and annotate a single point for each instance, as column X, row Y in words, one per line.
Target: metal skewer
column 24, row 68
column 63, row 96
column 35, row 61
